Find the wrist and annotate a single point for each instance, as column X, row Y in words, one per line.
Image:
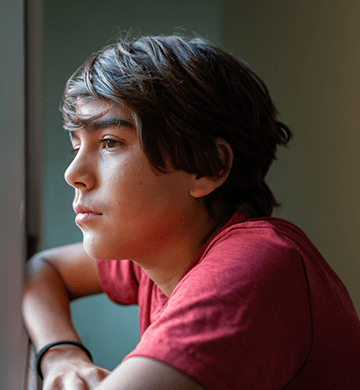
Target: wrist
column 57, row 353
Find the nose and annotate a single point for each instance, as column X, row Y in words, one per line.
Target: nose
column 80, row 173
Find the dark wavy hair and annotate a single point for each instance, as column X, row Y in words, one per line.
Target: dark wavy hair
column 186, row 93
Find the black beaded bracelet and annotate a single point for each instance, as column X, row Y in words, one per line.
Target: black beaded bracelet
column 48, row 346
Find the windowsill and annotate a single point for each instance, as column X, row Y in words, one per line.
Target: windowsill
column 32, row 381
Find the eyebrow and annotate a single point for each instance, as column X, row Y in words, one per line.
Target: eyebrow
column 107, row 122
column 103, row 124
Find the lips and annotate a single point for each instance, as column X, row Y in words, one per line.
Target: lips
column 80, row 209
column 85, row 214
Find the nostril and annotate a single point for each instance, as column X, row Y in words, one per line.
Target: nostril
column 78, row 184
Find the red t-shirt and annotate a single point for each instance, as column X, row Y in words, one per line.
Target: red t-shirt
column 258, row 308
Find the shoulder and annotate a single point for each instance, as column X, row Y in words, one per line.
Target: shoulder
column 259, row 234
column 253, row 248
column 250, row 266
column 252, row 259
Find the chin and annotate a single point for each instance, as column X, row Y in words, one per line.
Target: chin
column 92, row 249
column 97, row 249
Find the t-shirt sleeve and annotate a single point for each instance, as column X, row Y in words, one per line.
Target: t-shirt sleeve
column 240, row 319
column 119, row 280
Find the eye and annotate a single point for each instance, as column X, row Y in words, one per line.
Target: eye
column 73, row 152
column 110, row 143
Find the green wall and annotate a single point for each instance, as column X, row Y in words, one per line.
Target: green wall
column 72, row 31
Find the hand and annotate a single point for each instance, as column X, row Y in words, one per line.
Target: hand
column 70, row 369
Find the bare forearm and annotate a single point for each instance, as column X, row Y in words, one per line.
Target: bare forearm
column 46, row 305
column 54, row 278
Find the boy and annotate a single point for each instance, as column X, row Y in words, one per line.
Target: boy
column 172, row 139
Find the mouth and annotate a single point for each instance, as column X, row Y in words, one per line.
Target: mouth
column 85, row 214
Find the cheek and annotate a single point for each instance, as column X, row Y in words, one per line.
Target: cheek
column 171, row 191
column 129, row 182
column 133, row 185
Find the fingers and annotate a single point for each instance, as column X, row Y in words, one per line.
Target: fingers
column 68, row 382
column 85, row 379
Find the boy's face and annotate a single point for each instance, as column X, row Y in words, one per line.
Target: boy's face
column 124, row 207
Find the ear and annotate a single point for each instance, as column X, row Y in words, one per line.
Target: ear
column 204, row 185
